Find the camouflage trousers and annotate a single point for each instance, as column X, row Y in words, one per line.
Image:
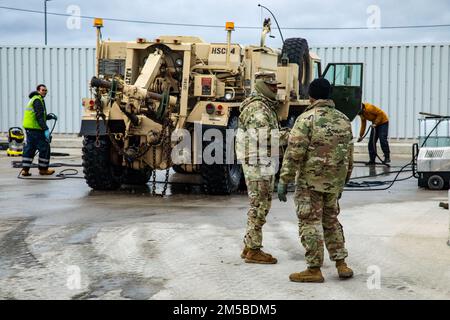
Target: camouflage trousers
column 317, row 214
column 260, row 196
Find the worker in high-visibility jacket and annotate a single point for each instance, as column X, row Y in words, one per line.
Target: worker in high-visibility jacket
column 380, row 130
column 37, row 132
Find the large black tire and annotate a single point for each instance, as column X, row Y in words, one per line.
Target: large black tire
column 297, row 51
column 136, row 177
column 99, row 172
column 222, row 179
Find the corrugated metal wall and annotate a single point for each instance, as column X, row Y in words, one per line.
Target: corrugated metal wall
column 65, row 71
column 403, row 80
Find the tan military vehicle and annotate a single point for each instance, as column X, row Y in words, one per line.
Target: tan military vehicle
column 146, row 91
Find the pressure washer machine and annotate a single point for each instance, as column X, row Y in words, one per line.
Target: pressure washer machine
column 431, row 161
column 15, row 142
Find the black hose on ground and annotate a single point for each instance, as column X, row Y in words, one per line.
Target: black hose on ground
column 367, row 185
column 381, row 161
column 59, row 176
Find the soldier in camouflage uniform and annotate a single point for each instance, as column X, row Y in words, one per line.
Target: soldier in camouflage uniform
column 320, row 158
column 258, row 122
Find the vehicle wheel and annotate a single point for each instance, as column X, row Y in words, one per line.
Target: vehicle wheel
column 222, row 178
column 136, row 177
column 297, row 51
column 436, row 182
column 99, row 172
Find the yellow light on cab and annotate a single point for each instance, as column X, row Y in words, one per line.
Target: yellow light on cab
column 98, row 22
column 229, row 26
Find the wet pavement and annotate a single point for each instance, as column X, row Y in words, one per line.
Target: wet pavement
column 61, row 240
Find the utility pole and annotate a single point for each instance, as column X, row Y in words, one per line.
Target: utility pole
column 45, row 18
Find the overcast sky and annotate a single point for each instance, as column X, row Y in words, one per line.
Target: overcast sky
column 24, row 28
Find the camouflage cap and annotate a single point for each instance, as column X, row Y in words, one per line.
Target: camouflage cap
column 267, row 76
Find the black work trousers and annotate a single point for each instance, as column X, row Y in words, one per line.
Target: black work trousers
column 36, row 142
column 379, row 132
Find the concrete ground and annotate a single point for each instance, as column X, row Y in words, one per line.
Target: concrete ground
column 61, row 240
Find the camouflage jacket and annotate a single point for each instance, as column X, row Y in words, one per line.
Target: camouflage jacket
column 258, row 122
column 320, row 149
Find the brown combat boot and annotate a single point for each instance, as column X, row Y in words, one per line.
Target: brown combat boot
column 25, row 172
column 244, row 252
column 342, row 269
column 46, row 172
column 259, row 256
column 309, row 275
